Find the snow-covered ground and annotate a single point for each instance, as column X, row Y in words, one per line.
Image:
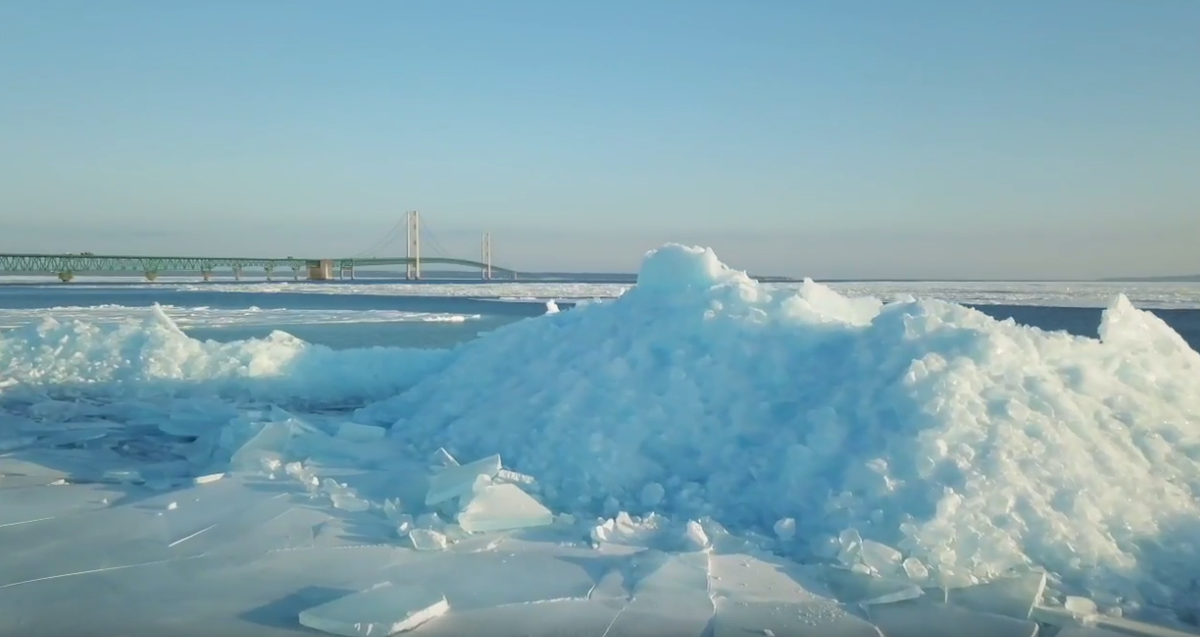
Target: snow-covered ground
column 1146, row 295
column 703, row 455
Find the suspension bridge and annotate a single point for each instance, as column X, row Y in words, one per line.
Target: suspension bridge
column 67, row 266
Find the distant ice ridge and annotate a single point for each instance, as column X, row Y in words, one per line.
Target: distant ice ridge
column 153, row 357
column 208, row 317
column 971, row 445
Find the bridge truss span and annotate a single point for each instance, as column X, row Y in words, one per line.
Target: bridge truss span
column 66, row 266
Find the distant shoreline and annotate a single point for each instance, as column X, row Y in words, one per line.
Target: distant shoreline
column 365, row 276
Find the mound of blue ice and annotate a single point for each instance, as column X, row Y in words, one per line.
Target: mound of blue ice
column 154, row 357
column 970, row 444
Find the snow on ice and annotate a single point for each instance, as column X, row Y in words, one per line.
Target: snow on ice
column 704, row 454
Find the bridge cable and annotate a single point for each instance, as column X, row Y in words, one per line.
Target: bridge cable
column 437, row 245
column 381, row 243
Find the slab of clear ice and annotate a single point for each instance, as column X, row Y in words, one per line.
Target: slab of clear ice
column 377, row 612
column 884, row 559
column 1008, row 596
column 502, row 507
column 457, row 480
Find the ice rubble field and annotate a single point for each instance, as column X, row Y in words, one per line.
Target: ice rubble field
column 703, row 455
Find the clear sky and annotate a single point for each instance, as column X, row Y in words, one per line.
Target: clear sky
column 832, row 138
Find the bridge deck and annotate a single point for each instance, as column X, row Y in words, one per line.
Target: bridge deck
column 88, row 263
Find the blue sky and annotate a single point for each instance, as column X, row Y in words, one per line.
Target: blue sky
column 833, row 138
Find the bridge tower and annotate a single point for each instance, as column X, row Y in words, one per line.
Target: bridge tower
column 486, row 256
column 413, row 252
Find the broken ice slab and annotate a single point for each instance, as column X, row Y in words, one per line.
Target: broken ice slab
column 442, row 459
column 853, row 587
column 343, row 497
column 384, row 610
column 457, row 480
column 502, row 507
column 354, row 432
column 1008, row 596
column 921, row 618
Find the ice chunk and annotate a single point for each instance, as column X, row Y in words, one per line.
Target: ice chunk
column 354, row 432
column 880, row 557
column 392, row 509
column 302, row 473
column 501, row 507
column 378, row 612
column 349, row 501
column 404, row 525
column 1008, row 596
column 785, row 529
column 457, row 480
column 1080, row 606
column 914, row 569
column 849, row 547
column 208, row 479
column 343, row 497
column 427, row 539
column 604, row 531
column 694, row 536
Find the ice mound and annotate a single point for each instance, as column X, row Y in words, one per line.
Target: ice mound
column 973, row 446
column 155, row 357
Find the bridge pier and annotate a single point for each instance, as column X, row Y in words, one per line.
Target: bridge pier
column 66, row 276
column 320, row 270
column 206, row 275
column 269, row 271
column 151, row 275
column 237, row 273
column 295, row 273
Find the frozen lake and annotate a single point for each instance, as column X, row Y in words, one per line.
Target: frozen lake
column 701, row 455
